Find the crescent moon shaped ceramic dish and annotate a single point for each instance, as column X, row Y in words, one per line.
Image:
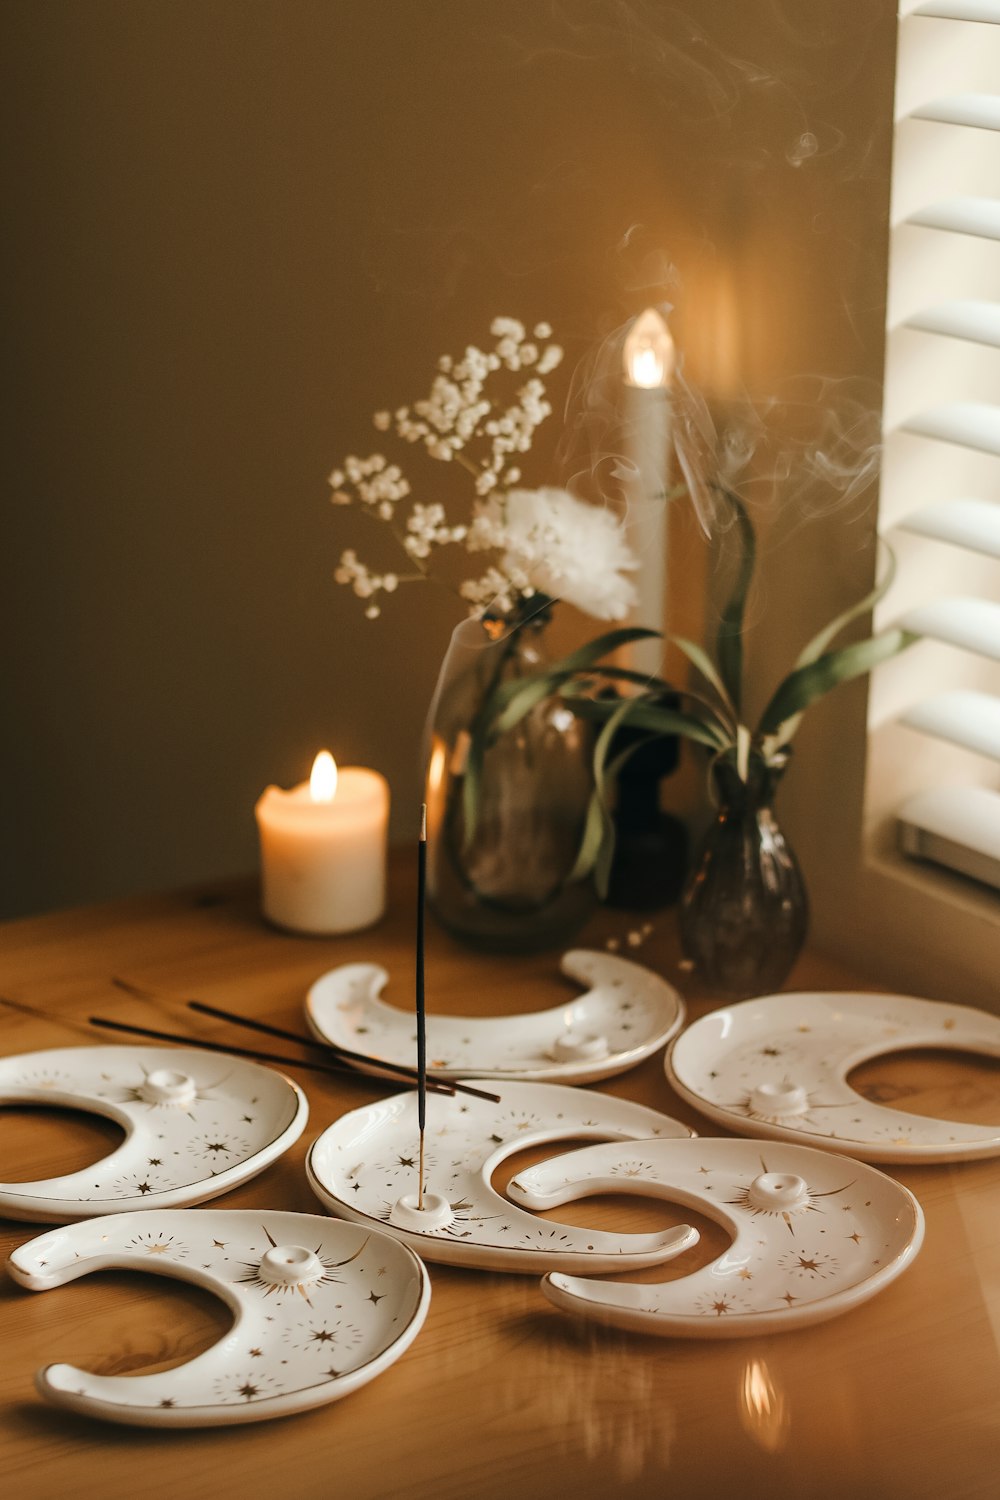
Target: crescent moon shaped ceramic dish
column 626, row 1014
column 196, row 1125
column 364, row 1167
column 778, row 1067
column 320, row 1308
column 814, row 1234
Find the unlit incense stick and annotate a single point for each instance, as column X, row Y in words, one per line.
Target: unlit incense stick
column 336, row 1052
column 341, row 1070
column 324, row 1049
column 421, row 1011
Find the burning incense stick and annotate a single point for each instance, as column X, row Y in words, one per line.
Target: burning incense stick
column 421, row 1011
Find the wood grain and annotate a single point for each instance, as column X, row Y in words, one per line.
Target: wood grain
column 500, row 1395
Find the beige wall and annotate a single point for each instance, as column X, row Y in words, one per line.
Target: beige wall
column 236, row 227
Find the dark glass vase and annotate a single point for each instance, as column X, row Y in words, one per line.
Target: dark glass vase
column 505, row 885
column 744, row 912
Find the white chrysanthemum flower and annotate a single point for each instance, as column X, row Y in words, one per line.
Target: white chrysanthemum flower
column 562, row 547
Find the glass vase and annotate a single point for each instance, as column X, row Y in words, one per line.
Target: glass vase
column 499, row 861
column 744, row 912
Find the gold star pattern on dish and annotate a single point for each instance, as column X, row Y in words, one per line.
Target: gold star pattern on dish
column 321, row 1336
column 721, row 1306
column 855, row 1237
column 248, row 1390
column 787, row 1297
column 746, row 1275
column 159, row 1247
column 375, row 1298
column 256, row 1353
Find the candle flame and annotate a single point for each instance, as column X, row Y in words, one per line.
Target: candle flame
column 649, row 352
column 323, row 780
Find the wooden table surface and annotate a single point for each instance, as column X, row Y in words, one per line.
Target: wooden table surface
column 500, row 1395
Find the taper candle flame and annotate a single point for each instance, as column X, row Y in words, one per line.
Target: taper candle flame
column 323, row 778
column 649, row 352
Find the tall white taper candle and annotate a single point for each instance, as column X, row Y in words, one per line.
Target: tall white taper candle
column 649, row 360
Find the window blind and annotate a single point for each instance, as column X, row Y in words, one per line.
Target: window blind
column 934, row 783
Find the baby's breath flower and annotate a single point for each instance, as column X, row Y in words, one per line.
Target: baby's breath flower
column 541, row 540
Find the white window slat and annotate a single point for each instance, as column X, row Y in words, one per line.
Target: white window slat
column 970, row 624
column 979, row 111
column 962, row 717
column 977, row 322
column 987, row 11
column 970, row 424
column 975, row 216
column 957, row 826
column 972, row 524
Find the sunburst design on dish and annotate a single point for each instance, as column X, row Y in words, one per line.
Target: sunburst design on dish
column 328, row 1276
column 323, row 1336
column 633, row 1168
column 720, row 1303
column 244, row 1386
column 219, row 1148
column 48, row 1080
column 406, row 1159
column 742, row 1199
column 809, row 1265
column 152, row 1243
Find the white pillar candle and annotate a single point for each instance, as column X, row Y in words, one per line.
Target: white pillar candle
column 648, row 359
column 323, row 850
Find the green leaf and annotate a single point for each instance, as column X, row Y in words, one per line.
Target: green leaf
column 805, row 685
column 513, row 700
column 815, row 648
column 654, row 717
column 599, row 829
column 729, row 639
column 819, row 642
column 654, row 686
column 700, row 658
column 472, row 780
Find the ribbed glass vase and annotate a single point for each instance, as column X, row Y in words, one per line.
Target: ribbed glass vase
column 744, row 912
column 500, row 855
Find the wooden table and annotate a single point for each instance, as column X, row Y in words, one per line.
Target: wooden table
column 500, row 1395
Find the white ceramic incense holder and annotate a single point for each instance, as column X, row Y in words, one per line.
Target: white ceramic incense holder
column 320, row 1308
column 364, row 1167
column 778, row 1067
column 196, row 1125
column 625, row 1015
column 814, row 1234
